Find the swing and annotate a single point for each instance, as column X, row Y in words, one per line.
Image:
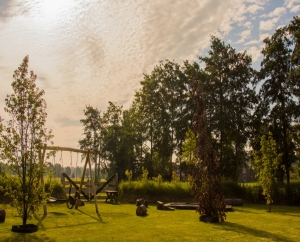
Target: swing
column 72, row 199
column 75, row 201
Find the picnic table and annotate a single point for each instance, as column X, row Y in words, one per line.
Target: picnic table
column 112, row 195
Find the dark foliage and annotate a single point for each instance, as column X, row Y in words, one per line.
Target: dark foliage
column 206, row 175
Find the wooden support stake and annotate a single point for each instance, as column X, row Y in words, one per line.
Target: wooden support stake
column 82, row 180
column 93, row 184
column 42, row 178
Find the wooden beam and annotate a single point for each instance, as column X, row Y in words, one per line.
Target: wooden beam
column 93, row 184
column 82, row 178
column 67, row 149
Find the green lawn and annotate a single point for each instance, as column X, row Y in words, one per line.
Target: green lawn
column 119, row 223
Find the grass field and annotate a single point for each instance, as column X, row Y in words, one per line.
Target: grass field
column 120, row 223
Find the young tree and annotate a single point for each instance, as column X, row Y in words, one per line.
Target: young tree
column 188, row 149
column 266, row 162
column 22, row 140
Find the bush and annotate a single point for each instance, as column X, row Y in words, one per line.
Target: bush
column 153, row 191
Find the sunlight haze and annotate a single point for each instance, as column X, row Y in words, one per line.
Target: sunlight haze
column 91, row 52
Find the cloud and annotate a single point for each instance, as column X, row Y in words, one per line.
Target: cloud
column 92, row 52
column 295, row 9
column 248, row 25
column 278, row 12
column 253, row 42
column 268, row 24
column 66, row 122
column 264, row 36
column 245, row 34
column 254, row 8
column 254, row 52
column 291, row 3
column 4, row 7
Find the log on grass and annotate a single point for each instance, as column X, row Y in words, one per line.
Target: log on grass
column 166, row 207
column 141, row 210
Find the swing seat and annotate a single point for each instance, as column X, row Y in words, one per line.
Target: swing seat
column 52, row 199
column 80, row 203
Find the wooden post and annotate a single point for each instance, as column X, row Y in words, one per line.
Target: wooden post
column 93, row 184
column 42, row 178
column 82, row 180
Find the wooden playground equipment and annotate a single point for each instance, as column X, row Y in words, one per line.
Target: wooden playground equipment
column 87, row 189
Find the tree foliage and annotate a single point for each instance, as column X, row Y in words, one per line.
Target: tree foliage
column 166, row 109
column 188, row 148
column 279, row 108
column 230, row 97
column 22, row 140
column 93, row 130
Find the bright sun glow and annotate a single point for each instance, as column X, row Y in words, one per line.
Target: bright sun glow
column 53, row 9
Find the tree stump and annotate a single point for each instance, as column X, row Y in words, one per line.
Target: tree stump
column 2, row 215
column 159, row 205
column 141, row 210
column 141, row 201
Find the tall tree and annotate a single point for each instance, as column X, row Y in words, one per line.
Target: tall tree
column 22, row 140
column 279, row 96
column 294, row 33
column 165, row 102
column 93, row 129
column 112, row 137
column 230, row 98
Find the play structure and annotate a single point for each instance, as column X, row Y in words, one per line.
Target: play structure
column 104, row 190
column 82, row 187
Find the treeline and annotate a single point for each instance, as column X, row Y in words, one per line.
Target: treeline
column 242, row 105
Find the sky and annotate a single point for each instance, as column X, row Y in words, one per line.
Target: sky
column 90, row 52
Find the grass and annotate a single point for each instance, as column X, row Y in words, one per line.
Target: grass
column 120, row 223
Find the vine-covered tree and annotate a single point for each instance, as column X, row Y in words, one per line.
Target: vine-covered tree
column 266, row 163
column 207, row 174
column 22, row 140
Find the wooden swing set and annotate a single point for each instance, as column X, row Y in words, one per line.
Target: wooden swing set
column 87, row 161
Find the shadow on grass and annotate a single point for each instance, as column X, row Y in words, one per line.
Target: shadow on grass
column 98, row 218
column 251, row 231
column 27, row 238
column 40, row 221
column 58, row 214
